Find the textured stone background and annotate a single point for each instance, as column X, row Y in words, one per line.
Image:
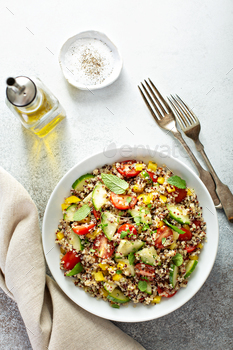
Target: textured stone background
column 186, row 48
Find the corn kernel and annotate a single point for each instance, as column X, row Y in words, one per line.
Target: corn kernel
column 200, row 245
column 104, row 292
column 173, row 246
column 139, row 167
column 104, row 266
column 117, row 277
column 94, row 234
column 62, row 250
column 193, row 257
column 138, row 188
column 160, row 180
column 120, row 265
column 64, row 206
column 60, row 235
column 156, row 299
column 99, row 276
column 170, row 189
column 152, row 166
column 189, row 192
column 160, row 224
column 163, row 198
column 72, row 199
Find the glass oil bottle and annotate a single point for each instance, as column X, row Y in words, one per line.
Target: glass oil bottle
column 33, row 104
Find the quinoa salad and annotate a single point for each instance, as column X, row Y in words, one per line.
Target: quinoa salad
column 130, row 232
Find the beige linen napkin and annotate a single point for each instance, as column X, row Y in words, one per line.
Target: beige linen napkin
column 52, row 320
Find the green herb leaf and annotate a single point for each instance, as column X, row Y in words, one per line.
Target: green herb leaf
column 177, row 181
column 123, row 234
column 145, row 227
column 163, row 240
column 128, row 199
column 115, row 306
column 121, row 213
column 159, row 263
column 92, row 250
column 119, row 272
column 131, row 258
column 177, row 259
column 149, row 205
column 146, row 176
column 174, row 227
column 77, row 269
column 142, row 285
column 114, row 183
column 82, row 213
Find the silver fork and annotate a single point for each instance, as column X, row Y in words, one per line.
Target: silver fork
column 190, row 125
column 164, row 117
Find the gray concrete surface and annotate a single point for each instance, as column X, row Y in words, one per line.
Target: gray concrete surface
column 186, row 48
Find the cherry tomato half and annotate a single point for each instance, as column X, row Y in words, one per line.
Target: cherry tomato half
column 70, row 259
column 123, row 202
column 153, row 176
column 182, row 193
column 164, row 232
column 132, row 232
column 83, row 229
column 166, row 292
column 191, row 248
column 185, row 236
column 145, row 270
column 103, row 247
column 127, row 169
column 97, row 214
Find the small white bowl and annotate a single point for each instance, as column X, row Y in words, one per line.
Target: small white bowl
column 102, row 308
column 91, row 34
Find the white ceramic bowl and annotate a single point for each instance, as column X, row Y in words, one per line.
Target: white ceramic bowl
column 118, row 62
column 101, row 308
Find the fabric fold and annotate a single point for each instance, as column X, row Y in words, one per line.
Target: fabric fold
column 52, row 320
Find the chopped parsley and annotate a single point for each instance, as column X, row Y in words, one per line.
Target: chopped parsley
column 123, row 234
column 119, row 272
column 163, row 240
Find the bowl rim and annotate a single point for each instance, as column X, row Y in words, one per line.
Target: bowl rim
column 90, row 87
column 121, row 158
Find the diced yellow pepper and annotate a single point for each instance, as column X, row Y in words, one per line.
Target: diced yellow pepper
column 120, row 265
column 72, row 199
column 62, row 250
column 173, row 246
column 200, row 245
column 60, row 235
column 94, row 234
column 117, row 277
column 175, row 235
column 111, row 269
column 160, row 224
column 157, row 299
column 152, row 166
column 186, row 227
column 104, row 266
column 98, row 276
column 104, row 292
column 138, row 188
column 170, row 189
column 139, row 167
column 163, row 198
column 64, row 206
column 147, row 198
column 160, row 180
column 194, row 257
column 189, row 192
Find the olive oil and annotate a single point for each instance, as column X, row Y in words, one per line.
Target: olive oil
column 34, row 105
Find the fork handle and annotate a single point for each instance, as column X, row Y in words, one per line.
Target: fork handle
column 223, row 191
column 204, row 175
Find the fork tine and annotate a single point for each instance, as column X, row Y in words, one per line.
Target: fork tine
column 153, row 102
column 184, row 112
column 160, row 96
column 148, row 105
column 156, row 99
column 178, row 115
column 189, row 109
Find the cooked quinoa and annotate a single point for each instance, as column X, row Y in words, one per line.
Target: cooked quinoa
column 125, row 249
